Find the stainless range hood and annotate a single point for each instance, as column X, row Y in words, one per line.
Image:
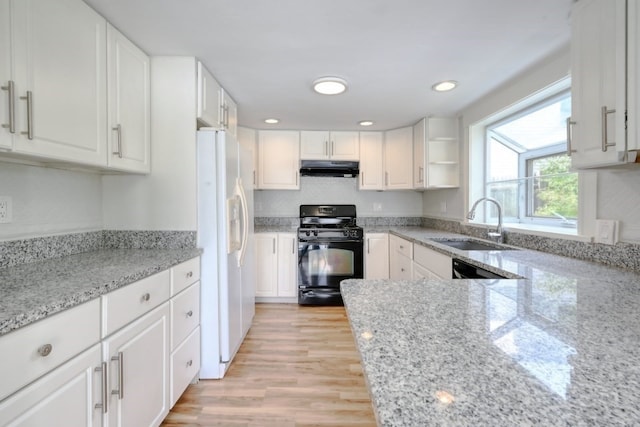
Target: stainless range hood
column 339, row 168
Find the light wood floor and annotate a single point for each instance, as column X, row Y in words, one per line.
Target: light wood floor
column 298, row 366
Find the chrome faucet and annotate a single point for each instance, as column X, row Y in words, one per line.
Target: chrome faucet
column 495, row 235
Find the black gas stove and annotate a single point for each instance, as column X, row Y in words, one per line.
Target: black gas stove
column 330, row 249
column 321, row 222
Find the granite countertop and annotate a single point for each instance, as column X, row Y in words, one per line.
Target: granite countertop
column 559, row 346
column 33, row 291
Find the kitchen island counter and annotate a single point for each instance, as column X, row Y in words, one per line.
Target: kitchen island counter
column 545, row 350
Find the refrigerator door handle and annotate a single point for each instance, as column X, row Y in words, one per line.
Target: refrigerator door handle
column 245, row 221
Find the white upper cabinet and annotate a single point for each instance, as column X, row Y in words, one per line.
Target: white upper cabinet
column 216, row 108
column 229, row 113
column 435, row 154
column 321, row 145
column 278, row 160
column 7, row 97
column 209, row 111
column 129, row 110
column 60, row 75
column 371, row 164
column 633, row 69
column 598, row 87
column 398, row 159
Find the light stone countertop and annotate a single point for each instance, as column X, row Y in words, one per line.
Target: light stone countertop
column 559, row 347
column 33, row 291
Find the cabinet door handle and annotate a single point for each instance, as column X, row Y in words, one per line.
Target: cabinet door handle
column 29, row 99
column 386, row 179
column 274, row 245
column 326, row 148
column 221, row 121
column 10, row 88
column 104, row 391
column 420, row 174
column 368, row 246
column 120, row 390
column 570, row 124
column 296, row 179
column 45, row 350
column 293, row 246
column 333, row 148
column 605, row 113
column 118, row 130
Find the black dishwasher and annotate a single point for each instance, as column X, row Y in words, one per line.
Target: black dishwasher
column 464, row 270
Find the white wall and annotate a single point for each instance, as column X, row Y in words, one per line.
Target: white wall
column 546, row 72
column 327, row 190
column 166, row 198
column 49, row 201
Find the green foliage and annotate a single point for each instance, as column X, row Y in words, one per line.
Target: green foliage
column 557, row 194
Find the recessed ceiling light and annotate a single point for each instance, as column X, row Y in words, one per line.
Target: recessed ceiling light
column 445, row 86
column 330, row 85
column 365, row 123
column 271, row 121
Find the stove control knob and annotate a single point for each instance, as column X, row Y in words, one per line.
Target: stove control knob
column 346, row 233
column 308, row 233
column 315, row 233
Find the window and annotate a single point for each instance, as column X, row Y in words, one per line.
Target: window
column 527, row 168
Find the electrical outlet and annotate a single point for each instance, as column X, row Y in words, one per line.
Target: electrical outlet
column 5, row 209
column 607, row 231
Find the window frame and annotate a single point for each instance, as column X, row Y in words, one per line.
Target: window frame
column 525, row 157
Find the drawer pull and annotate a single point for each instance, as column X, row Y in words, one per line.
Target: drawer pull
column 45, row 350
column 146, row 297
column 189, row 313
column 190, row 275
column 189, row 363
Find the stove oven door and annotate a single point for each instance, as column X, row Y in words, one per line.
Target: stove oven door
column 323, row 265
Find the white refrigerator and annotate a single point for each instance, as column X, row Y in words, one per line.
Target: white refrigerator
column 226, row 235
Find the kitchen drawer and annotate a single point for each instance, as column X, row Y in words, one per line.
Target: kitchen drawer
column 404, row 268
column 184, row 274
column 185, row 364
column 34, row 350
column 132, row 301
column 185, row 313
column 434, row 261
column 400, row 245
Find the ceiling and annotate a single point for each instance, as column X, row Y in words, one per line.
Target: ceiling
column 267, row 53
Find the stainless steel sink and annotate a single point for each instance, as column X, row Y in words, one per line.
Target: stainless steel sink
column 471, row 245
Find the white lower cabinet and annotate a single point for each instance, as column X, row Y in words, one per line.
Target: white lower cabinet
column 185, row 340
column 430, row 264
column 277, row 262
column 70, row 395
column 138, row 357
column 185, row 364
column 58, row 371
column 376, row 257
column 400, row 258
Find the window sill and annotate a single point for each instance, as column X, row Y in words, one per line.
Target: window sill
column 546, row 231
